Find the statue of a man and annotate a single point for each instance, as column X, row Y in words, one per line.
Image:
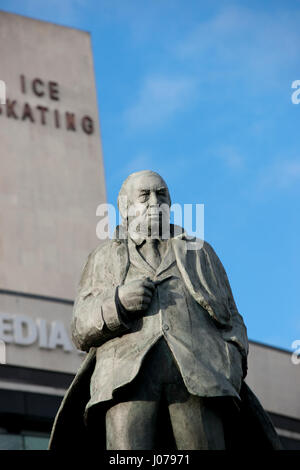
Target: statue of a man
column 167, row 345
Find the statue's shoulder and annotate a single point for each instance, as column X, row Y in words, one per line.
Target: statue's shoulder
column 193, row 244
column 106, row 249
column 208, row 247
column 102, row 250
column 208, row 250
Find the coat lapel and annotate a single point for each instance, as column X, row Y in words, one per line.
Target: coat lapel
column 196, row 279
column 138, row 260
column 192, row 264
column 167, row 260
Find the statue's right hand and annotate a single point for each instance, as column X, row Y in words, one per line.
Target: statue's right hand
column 136, row 295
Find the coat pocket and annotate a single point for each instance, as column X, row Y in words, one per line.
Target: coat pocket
column 234, row 365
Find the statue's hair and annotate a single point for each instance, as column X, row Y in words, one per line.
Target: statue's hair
column 124, row 187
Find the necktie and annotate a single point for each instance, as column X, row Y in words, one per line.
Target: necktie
column 152, row 253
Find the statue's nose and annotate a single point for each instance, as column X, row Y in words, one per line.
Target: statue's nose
column 153, row 200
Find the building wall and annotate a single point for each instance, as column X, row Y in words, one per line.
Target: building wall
column 52, row 177
column 51, row 181
column 30, row 397
column 36, row 332
column 275, row 380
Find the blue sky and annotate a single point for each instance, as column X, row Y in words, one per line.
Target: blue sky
column 201, row 92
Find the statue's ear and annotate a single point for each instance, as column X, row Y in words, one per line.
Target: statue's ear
column 123, row 206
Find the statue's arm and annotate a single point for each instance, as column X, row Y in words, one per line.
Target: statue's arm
column 237, row 331
column 237, row 334
column 97, row 314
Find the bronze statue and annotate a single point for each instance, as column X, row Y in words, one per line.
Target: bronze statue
column 167, row 347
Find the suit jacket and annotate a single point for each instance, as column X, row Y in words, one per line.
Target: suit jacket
column 96, row 322
column 210, row 347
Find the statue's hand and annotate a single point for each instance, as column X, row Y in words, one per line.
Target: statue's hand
column 136, row 295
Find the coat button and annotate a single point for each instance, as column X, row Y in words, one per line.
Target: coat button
column 165, row 327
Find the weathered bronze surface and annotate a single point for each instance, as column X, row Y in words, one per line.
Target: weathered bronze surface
column 167, row 347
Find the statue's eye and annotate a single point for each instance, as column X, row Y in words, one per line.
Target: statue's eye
column 144, row 195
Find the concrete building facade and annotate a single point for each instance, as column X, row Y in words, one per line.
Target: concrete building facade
column 51, row 182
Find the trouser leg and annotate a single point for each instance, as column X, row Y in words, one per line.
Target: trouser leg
column 132, row 420
column 131, row 425
column 197, row 425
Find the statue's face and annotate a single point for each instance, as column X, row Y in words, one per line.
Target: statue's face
column 149, row 203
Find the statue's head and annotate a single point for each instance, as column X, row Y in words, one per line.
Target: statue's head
column 144, row 202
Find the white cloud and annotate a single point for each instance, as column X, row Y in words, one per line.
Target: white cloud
column 140, row 162
column 244, row 42
column 159, row 100
column 280, row 175
column 230, row 155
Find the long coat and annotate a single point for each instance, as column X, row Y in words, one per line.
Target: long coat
column 206, row 281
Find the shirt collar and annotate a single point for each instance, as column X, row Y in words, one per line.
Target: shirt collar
column 137, row 238
column 176, row 232
column 140, row 239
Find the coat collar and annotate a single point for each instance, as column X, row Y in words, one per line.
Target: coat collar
column 194, row 266
column 121, row 234
column 121, row 256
